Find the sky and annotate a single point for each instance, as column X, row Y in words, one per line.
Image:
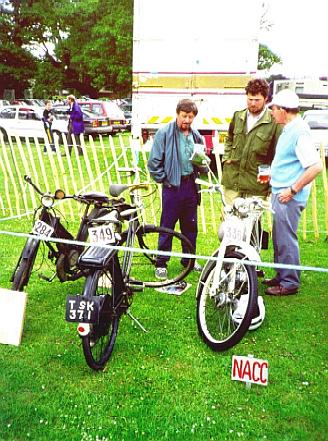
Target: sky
column 299, row 36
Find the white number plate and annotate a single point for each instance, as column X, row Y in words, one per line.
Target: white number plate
column 42, row 229
column 102, row 234
column 234, row 230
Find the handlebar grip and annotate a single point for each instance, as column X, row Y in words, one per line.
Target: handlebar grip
column 28, row 179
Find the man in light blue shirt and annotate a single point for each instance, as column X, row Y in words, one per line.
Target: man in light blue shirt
column 295, row 166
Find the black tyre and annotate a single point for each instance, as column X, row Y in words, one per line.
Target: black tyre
column 220, row 324
column 23, row 270
column 99, row 343
column 141, row 266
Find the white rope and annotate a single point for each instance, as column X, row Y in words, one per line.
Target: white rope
column 166, row 253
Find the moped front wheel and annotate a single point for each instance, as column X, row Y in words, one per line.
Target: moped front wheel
column 23, row 270
column 225, row 307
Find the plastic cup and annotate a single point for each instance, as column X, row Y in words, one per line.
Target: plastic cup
column 264, row 173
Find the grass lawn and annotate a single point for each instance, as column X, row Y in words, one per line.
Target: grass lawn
column 165, row 384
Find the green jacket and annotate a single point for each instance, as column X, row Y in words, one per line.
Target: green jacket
column 247, row 151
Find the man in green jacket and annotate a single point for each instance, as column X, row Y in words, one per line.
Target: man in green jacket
column 251, row 141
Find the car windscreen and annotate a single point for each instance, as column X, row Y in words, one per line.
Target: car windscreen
column 113, row 110
column 96, row 108
column 28, row 114
column 8, row 113
column 318, row 121
column 90, row 114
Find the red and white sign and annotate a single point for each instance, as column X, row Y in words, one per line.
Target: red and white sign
column 250, row 370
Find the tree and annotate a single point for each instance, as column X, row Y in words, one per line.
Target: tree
column 82, row 46
column 100, row 58
column 17, row 63
column 266, row 58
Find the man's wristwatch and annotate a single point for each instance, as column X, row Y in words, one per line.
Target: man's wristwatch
column 293, row 192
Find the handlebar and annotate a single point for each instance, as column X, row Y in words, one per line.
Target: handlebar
column 59, row 194
column 217, row 188
column 94, row 197
column 29, row 181
column 211, row 188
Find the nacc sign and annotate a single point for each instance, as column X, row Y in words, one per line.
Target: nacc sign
column 250, row 370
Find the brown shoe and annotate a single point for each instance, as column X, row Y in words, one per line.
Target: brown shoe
column 271, row 282
column 279, row 290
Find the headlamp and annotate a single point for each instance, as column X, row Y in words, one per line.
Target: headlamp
column 47, row 201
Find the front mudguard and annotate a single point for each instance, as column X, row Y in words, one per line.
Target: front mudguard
column 29, row 252
column 30, row 247
column 246, row 249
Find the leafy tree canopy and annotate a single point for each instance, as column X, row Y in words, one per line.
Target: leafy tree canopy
column 83, row 46
column 267, row 58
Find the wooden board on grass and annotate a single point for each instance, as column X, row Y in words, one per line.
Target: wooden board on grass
column 12, row 314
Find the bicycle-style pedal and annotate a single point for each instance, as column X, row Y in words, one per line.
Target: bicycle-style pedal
column 47, row 279
column 135, row 285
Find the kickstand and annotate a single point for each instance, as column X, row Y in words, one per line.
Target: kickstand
column 136, row 321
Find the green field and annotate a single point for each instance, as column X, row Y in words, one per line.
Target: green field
column 165, row 384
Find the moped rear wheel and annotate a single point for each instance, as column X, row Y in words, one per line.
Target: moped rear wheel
column 224, row 313
column 98, row 345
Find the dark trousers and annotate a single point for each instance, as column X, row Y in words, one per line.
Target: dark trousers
column 70, row 135
column 178, row 204
column 50, row 136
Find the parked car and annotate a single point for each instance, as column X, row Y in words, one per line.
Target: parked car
column 93, row 124
column 26, row 121
column 126, row 107
column 108, row 109
column 28, row 102
column 4, row 103
column 318, row 123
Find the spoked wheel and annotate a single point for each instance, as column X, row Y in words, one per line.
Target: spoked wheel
column 99, row 343
column 141, row 266
column 224, row 313
column 23, row 270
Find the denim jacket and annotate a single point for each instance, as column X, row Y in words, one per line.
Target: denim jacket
column 164, row 159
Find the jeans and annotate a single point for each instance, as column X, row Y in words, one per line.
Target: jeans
column 285, row 242
column 178, row 204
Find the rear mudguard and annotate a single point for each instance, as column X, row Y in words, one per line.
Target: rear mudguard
column 96, row 257
column 243, row 248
